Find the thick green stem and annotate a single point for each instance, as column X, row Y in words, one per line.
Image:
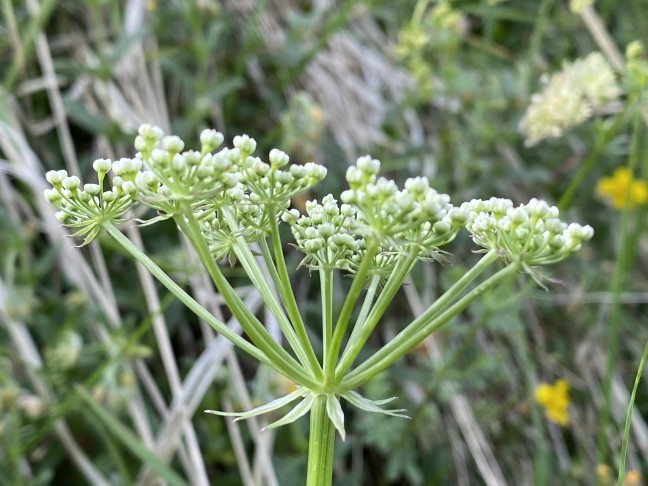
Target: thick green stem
column 321, row 442
column 285, row 363
column 331, row 354
column 183, row 297
column 432, row 319
column 394, row 282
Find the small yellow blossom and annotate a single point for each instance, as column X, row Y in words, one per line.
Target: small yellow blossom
column 555, row 400
column 604, row 474
column 621, row 189
column 632, row 478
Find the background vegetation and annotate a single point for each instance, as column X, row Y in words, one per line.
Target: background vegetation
column 103, row 376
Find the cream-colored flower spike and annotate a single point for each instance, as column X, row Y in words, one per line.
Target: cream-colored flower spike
column 569, row 98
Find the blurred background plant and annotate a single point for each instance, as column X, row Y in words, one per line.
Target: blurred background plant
column 102, row 379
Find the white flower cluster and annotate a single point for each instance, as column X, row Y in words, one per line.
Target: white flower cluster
column 269, row 184
column 327, row 233
column 174, row 176
column 569, row 97
column 89, row 206
column 414, row 216
column 531, row 233
column 415, row 220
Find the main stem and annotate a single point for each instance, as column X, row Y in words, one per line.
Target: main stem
column 321, row 442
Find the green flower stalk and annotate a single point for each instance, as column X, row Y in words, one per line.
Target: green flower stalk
column 229, row 204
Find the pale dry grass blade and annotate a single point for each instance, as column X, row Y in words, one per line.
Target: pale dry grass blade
column 54, row 95
column 351, row 79
column 195, row 469
column 238, row 445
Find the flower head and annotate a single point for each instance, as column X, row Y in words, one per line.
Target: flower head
column 621, row 189
column 88, row 206
column 554, row 399
column 531, row 233
column 569, row 97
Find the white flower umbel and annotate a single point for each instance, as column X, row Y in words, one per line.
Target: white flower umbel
column 229, row 204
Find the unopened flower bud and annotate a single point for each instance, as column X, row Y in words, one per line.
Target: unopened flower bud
column 55, row 177
column 245, row 144
column 150, row 132
column 368, row 165
column 278, row 158
column 71, row 183
column 101, row 166
column 211, row 139
column 173, row 143
column 52, row 196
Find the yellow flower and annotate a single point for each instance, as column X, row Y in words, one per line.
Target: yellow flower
column 555, row 400
column 632, row 478
column 622, row 188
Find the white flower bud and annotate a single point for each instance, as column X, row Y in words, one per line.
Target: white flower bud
column 311, row 233
column 348, row 196
column 557, row 242
column 71, row 183
column 368, row 165
column 459, row 216
column 297, row 171
column 109, row 196
column 245, row 144
column 52, row 196
column 150, row 132
column 193, row 158
column 442, row 227
column 315, row 171
column 178, row 163
column 290, row 217
column 158, row 156
column 55, row 177
column 140, row 143
column 129, row 188
column 345, row 241
column 326, row 230
column 517, row 215
column 278, row 158
column 101, row 166
column 173, row 143
column 347, row 210
column 62, row 216
column 92, row 189
column 313, row 245
column 417, row 185
column 211, row 139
